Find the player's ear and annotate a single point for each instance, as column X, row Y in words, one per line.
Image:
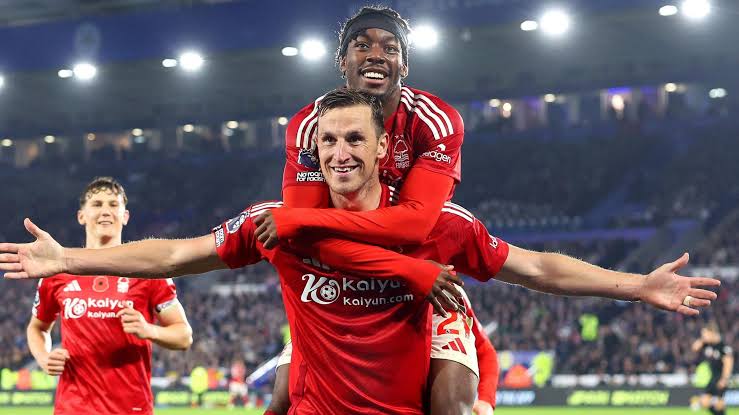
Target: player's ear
column 80, row 217
column 382, row 143
column 126, row 215
column 342, row 65
column 404, row 70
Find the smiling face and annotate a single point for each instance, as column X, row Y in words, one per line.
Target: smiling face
column 373, row 63
column 349, row 149
column 103, row 215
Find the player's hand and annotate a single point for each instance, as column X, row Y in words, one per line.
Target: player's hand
column 722, row 383
column 266, row 232
column 482, row 408
column 135, row 323
column 444, row 295
column 53, row 363
column 39, row 259
column 665, row 289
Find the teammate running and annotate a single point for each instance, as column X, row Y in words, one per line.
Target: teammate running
column 355, row 329
column 107, row 322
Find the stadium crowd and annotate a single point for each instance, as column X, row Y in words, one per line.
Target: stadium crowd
column 532, row 184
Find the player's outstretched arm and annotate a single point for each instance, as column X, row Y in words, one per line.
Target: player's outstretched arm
column 152, row 258
column 485, row 256
column 559, row 274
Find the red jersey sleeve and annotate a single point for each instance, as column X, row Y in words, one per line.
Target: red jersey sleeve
column 371, row 261
column 438, row 133
column 236, row 244
column 487, row 361
column 409, row 222
column 482, row 255
column 163, row 294
column 45, row 306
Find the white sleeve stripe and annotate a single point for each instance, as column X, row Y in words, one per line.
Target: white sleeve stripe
column 423, row 118
column 257, row 212
column 423, row 107
column 434, row 116
column 407, row 93
column 313, row 131
column 308, row 132
column 299, row 136
column 418, row 104
column 433, row 108
column 456, row 206
column 305, row 120
column 458, row 213
column 258, row 205
column 439, row 111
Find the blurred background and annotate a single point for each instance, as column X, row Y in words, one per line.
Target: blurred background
column 604, row 129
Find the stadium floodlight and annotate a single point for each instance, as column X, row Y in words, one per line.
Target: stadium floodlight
column 717, row 93
column 507, row 107
column 495, row 103
column 670, row 87
column 84, row 71
column 424, row 37
column 290, row 51
column 282, row 121
column 90, row 137
column 618, row 103
column 65, row 73
column 312, row 49
column 169, row 63
column 191, row 61
column 2, row 81
column 232, row 125
column 137, row 132
column 49, row 139
column 668, row 10
column 696, row 9
column 550, row 98
column 188, row 128
column 529, row 25
column 555, row 22
column 7, row 142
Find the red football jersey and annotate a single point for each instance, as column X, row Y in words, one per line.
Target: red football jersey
column 109, row 371
column 353, row 335
column 424, row 131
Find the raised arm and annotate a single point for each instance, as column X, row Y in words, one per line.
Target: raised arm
column 152, row 258
column 409, row 222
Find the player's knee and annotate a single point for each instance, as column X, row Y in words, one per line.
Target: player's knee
column 705, row 401
column 453, row 388
column 720, row 405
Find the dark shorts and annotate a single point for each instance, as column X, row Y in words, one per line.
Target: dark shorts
column 714, row 390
